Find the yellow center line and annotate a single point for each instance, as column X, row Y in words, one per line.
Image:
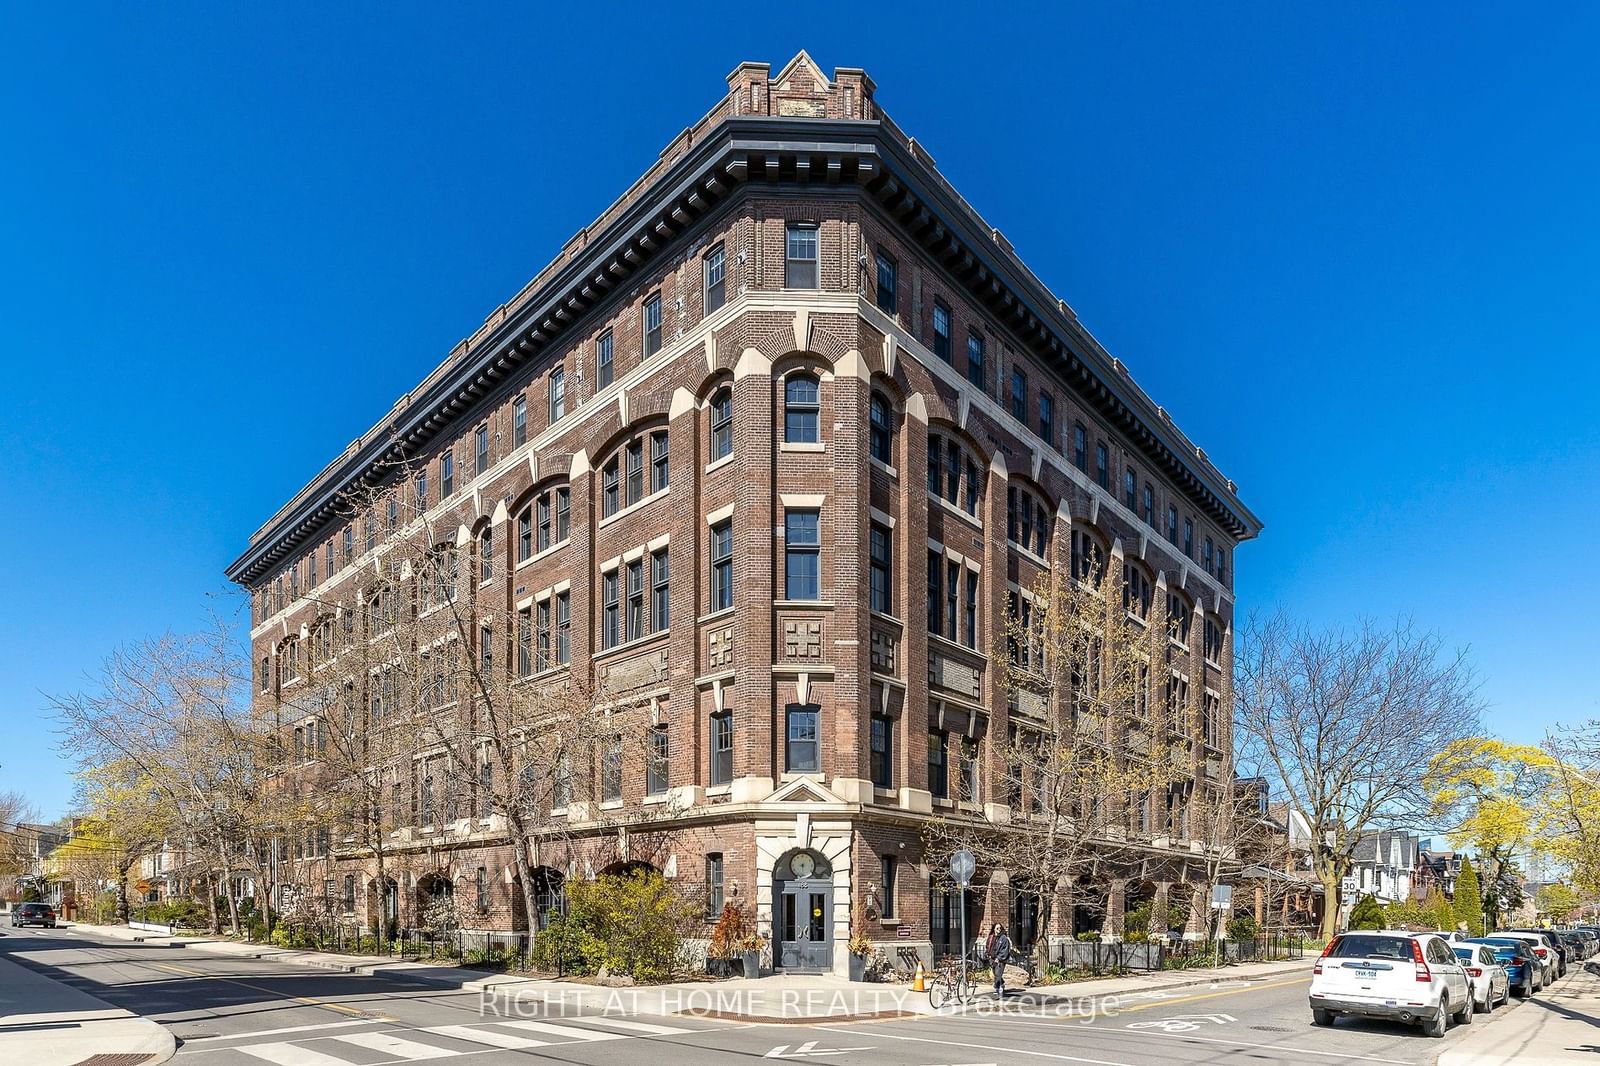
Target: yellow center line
column 323, row 1004
column 1204, row 995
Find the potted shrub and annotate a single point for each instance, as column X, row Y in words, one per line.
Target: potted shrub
column 727, row 940
column 860, row 945
column 750, row 953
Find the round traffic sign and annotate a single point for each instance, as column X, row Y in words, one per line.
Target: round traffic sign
column 961, row 866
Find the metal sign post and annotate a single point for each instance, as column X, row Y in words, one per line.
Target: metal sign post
column 961, row 866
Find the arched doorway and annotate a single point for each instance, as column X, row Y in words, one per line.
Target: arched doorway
column 628, row 869
column 436, row 902
column 383, row 906
column 1022, row 919
column 549, row 899
column 802, row 912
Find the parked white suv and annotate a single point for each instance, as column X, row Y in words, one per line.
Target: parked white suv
column 1407, row 977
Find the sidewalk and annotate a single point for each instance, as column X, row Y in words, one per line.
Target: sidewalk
column 1558, row 1026
column 778, row 998
column 46, row 1023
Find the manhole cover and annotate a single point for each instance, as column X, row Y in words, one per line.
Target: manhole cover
column 1271, row 1029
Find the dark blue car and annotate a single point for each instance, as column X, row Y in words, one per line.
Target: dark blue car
column 1517, row 957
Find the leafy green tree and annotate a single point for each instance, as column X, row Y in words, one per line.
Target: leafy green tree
column 1437, row 910
column 1556, row 901
column 1469, row 899
column 1367, row 913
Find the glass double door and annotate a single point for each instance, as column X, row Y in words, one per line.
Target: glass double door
column 805, row 909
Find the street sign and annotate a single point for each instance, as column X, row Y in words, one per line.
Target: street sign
column 961, row 866
column 1349, row 889
column 1221, row 897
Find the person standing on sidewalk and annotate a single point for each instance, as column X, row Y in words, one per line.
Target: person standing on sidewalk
column 997, row 949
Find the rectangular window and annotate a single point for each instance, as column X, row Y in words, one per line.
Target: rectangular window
column 939, row 764
column 714, row 891
column 660, row 464
column 525, row 535
column 1047, row 418
column 558, row 394
column 655, row 770
column 882, row 751
column 1130, row 490
column 563, row 627
column 976, row 372
column 563, row 514
column 1149, row 504
column 1188, row 537
column 880, row 552
column 716, row 279
column 610, row 610
column 635, row 619
column 721, row 566
column 348, row 546
column 525, row 643
column 1207, row 554
column 721, row 423
column 519, row 421
column 485, row 651
column 935, row 468
column 1080, row 446
column 886, row 906
column 659, row 585
column 721, row 748
column 447, row 473
column 1172, row 524
column 604, row 371
column 1019, row 395
column 801, row 755
column 972, row 609
column 635, row 453
column 935, row 593
column 802, row 548
column 652, row 325
column 480, row 449
column 1222, row 565
column 886, row 283
column 1102, row 465
column 611, row 770
column 941, row 331
column 967, row 786
column 541, row 647
column 800, row 256
column 611, row 487
column 543, row 506
column 486, row 554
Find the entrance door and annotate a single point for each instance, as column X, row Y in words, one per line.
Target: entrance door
column 804, row 912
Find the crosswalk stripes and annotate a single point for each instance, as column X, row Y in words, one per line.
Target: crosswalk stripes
column 409, row 1045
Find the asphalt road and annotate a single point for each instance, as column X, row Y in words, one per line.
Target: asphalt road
column 228, row 1011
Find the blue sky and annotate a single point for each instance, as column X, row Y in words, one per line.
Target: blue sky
column 1355, row 251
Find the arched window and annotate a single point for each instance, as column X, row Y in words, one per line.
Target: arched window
column 1179, row 615
column 802, row 409
column 880, row 432
column 946, row 462
column 721, row 423
column 1027, row 521
column 1135, row 591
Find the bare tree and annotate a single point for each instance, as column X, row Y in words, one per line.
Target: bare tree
column 1347, row 721
column 1085, row 766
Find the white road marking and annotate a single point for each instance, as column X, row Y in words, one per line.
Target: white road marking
column 395, row 1046
column 632, row 1026
column 1183, row 1023
column 485, row 1036
column 274, row 1032
column 1235, row 1043
column 291, row 1055
column 980, row 1047
column 568, row 1031
column 808, row 1050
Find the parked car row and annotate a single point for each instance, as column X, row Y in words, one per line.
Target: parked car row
column 1435, row 979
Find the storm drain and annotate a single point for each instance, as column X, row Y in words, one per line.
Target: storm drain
column 114, row 1060
column 1271, row 1029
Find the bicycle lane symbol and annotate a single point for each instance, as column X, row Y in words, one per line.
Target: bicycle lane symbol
column 1185, row 1023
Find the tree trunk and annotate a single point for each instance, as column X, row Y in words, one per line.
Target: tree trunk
column 122, row 892
column 211, row 904
column 1330, row 906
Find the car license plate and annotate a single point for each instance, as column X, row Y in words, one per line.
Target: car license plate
column 1367, row 975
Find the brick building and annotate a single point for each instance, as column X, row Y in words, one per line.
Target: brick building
column 877, row 423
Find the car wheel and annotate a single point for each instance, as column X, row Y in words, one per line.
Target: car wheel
column 1436, row 1025
column 1465, row 1017
column 1321, row 1017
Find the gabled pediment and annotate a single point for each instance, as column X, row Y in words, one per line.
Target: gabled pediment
column 803, row 60
column 803, row 791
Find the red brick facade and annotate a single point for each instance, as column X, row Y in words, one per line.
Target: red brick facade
column 769, row 651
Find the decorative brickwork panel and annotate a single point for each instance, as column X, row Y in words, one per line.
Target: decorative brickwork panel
column 636, row 673
column 1034, row 704
column 802, row 640
column 953, row 676
column 719, row 648
column 884, row 647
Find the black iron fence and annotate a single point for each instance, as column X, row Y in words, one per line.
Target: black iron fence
column 1097, row 957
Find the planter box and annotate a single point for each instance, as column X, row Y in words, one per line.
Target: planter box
column 858, row 967
column 751, row 961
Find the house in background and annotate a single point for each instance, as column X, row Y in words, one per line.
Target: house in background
column 1385, row 863
column 1436, row 868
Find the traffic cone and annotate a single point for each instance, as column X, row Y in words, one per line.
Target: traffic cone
column 918, row 982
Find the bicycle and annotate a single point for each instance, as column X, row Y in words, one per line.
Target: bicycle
column 949, row 986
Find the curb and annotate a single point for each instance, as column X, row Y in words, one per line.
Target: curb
column 1212, row 978
column 158, row 1045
